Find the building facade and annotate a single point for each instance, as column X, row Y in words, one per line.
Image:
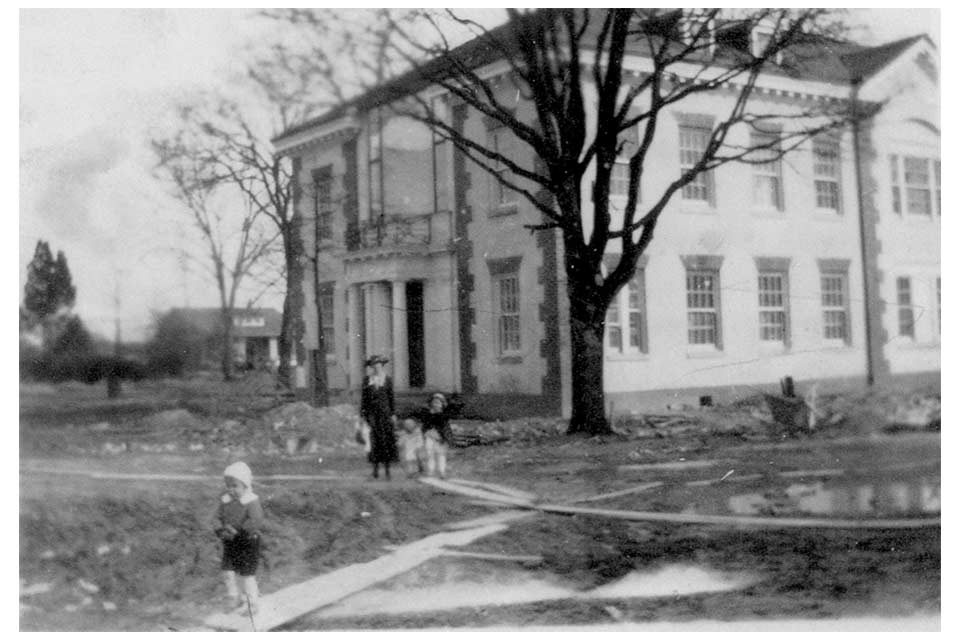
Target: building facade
column 808, row 266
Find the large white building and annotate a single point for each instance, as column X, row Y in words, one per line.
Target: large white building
column 824, row 265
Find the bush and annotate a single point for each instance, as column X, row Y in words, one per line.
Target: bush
column 80, row 367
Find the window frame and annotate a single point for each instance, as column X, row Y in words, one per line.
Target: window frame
column 922, row 181
column 827, row 170
column 327, row 321
column 768, row 268
column 906, row 320
column 689, row 155
column 632, row 340
column 323, row 215
column 504, row 200
column 768, row 173
column 507, row 318
column 700, row 266
column 835, row 270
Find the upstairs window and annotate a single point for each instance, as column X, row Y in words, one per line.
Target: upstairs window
column 826, row 172
column 322, row 179
column 502, row 141
column 767, row 181
column 915, row 185
column 693, row 144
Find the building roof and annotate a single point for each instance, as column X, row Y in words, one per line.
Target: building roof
column 867, row 61
column 818, row 59
column 207, row 319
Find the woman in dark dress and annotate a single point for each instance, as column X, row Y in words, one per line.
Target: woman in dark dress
column 376, row 408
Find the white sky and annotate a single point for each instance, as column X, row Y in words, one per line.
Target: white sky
column 92, row 85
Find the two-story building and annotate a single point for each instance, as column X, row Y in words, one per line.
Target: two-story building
column 823, row 265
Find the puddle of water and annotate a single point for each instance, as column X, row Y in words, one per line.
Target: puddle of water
column 672, row 580
column 451, row 589
column 919, row 497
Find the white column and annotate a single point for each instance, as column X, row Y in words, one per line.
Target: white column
column 401, row 367
column 355, row 365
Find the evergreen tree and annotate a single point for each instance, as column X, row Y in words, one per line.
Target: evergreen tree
column 49, row 285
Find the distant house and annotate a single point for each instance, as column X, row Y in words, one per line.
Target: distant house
column 255, row 333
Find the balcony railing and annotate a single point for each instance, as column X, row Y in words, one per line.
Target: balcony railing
column 392, row 231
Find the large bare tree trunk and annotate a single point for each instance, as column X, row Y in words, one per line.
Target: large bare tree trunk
column 291, row 325
column 586, row 346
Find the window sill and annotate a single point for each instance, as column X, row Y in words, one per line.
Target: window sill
column 773, row 348
column 827, row 215
column 837, row 345
column 913, row 345
column 704, row 354
column 504, row 210
column 774, row 214
column 510, row 360
column 627, row 357
column 697, row 207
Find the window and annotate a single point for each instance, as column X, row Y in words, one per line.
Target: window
column 703, row 307
column 916, row 177
column 915, row 184
column 626, row 313
column 325, row 295
column 620, row 179
column 826, row 172
column 441, row 160
column 693, row 144
column 323, row 203
column 376, row 166
column 501, row 141
column 834, row 300
column 772, row 289
column 507, row 289
column 636, row 312
column 614, row 328
column 904, row 308
column 767, row 187
column 936, row 179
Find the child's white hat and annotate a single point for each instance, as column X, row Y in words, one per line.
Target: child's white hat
column 241, row 472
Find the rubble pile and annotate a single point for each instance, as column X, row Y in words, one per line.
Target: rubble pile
column 526, row 430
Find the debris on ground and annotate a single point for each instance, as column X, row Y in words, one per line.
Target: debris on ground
column 917, row 412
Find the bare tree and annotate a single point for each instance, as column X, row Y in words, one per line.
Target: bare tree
column 234, row 244
column 577, row 82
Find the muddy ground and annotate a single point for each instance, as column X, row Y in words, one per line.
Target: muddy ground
column 116, row 501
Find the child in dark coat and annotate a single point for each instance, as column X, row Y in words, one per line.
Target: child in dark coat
column 437, row 434
column 239, row 524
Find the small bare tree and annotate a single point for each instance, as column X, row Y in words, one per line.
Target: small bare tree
column 588, row 77
column 234, row 244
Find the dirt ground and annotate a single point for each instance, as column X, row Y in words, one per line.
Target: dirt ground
column 116, row 502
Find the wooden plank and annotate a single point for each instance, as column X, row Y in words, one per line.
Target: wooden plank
column 742, row 521
column 492, row 556
column 476, row 493
column 496, row 488
column 669, row 466
column 290, row 603
column 697, row 518
column 623, row 492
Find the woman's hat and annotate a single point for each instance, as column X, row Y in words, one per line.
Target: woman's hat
column 439, row 396
column 374, row 359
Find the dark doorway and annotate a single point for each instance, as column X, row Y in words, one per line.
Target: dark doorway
column 418, row 373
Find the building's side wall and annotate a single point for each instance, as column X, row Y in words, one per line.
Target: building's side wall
column 908, row 125
column 737, row 232
column 329, row 261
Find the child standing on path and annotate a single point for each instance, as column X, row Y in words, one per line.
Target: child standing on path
column 239, row 523
column 411, row 446
column 436, row 435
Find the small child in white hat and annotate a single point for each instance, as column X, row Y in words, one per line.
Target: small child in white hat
column 239, row 525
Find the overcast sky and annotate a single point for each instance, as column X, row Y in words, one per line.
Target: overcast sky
column 93, row 85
